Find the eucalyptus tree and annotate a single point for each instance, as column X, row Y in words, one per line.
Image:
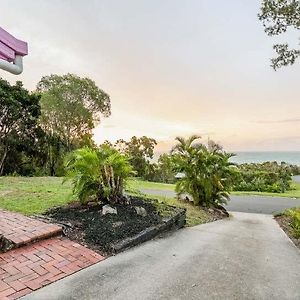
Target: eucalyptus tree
column 140, row 151
column 278, row 16
column 71, row 107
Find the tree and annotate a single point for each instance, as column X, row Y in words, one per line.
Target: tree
column 19, row 131
column 162, row 171
column 140, row 151
column 184, row 146
column 277, row 17
column 71, row 108
column 98, row 174
column 208, row 172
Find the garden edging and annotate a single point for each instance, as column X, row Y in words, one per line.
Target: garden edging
column 172, row 223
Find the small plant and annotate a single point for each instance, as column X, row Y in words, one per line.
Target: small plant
column 98, row 174
column 295, row 221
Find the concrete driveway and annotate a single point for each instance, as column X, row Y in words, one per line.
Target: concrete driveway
column 251, row 204
column 245, row 257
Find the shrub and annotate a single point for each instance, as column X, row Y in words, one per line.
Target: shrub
column 265, row 177
column 295, row 221
column 208, row 173
column 98, row 174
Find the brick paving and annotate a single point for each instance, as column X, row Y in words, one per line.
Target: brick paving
column 21, row 230
column 31, row 267
column 39, row 258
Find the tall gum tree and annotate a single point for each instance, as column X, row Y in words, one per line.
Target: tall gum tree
column 278, row 16
column 71, row 107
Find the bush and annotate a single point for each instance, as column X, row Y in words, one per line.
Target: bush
column 295, row 221
column 98, row 174
column 266, row 177
column 208, row 173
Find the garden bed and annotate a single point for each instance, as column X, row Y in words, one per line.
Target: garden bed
column 284, row 220
column 111, row 233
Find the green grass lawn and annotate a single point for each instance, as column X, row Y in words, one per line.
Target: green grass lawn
column 194, row 214
column 141, row 184
column 33, row 195
column 294, row 193
column 136, row 184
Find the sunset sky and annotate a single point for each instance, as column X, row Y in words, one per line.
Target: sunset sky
column 171, row 67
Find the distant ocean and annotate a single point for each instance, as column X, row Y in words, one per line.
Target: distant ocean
column 291, row 157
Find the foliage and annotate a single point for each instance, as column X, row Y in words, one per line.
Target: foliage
column 139, row 151
column 19, row 130
column 98, row 174
column 162, row 171
column 278, row 16
column 265, row 177
column 294, row 169
column 294, row 214
column 208, row 173
column 71, row 108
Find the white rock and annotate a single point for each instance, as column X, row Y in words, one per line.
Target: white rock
column 107, row 209
column 141, row 211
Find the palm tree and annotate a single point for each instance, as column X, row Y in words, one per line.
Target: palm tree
column 208, row 172
column 184, row 145
column 98, row 174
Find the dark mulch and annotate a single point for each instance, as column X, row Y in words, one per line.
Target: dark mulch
column 87, row 225
column 285, row 223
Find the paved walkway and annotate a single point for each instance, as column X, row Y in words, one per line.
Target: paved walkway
column 37, row 260
column 21, row 230
column 245, row 257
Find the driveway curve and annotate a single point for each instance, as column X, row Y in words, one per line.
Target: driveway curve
column 247, row 256
column 249, row 204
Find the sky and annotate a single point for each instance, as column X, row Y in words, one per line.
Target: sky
column 171, row 67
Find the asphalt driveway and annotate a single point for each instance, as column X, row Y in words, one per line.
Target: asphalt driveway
column 296, row 178
column 245, row 257
column 251, row 204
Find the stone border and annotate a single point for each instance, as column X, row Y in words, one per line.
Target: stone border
column 171, row 223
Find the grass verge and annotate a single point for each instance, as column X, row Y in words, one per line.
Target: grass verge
column 145, row 185
column 195, row 215
column 33, row 195
column 293, row 193
column 289, row 221
column 136, row 184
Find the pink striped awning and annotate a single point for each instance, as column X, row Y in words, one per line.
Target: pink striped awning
column 10, row 46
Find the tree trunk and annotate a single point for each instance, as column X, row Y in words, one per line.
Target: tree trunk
column 3, row 160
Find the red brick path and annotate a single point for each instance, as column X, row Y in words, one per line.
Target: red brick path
column 37, row 261
column 31, row 267
column 22, row 230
